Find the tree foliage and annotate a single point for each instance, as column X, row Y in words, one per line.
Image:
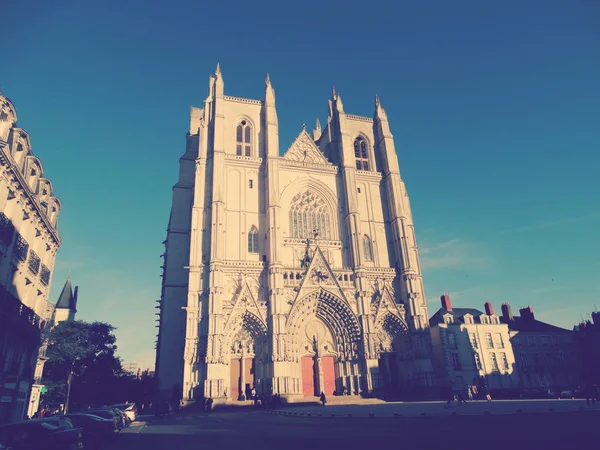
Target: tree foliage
column 87, row 349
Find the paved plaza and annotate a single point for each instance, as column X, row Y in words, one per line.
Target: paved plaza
column 553, row 424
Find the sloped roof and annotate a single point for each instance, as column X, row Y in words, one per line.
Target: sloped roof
column 533, row 326
column 66, row 299
column 457, row 313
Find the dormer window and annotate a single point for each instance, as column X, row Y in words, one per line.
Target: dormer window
column 243, row 139
column 361, row 153
column 468, row 320
column 448, row 319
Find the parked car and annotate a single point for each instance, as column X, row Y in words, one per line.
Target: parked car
column 96, row 430
column 38, row 434
column 129, row 409
column 106, row 414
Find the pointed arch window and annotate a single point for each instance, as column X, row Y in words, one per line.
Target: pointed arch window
column 367, row 248
column 309, row 217
column 253, row 240
column 243, row 139
column 361, row 153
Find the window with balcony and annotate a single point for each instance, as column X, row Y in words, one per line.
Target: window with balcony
column 45, row 275
column 7, row 230
column 21, row 248
column 477, row 361
column 34, row 262
column 504, row 360
column 494, row 361
column 489, row 340
column 499, row 342
column 473, row 340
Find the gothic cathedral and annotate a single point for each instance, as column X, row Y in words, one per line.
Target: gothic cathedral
column 294, row 274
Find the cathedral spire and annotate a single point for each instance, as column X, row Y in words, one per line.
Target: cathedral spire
column 317, row 130
column 379, row 111
column 333, row 93
column 218, row 70
column 269, row 92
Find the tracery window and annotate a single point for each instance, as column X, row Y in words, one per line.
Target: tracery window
column 253, row 240
column 367, row 248
column 309, row 217
column 243, row 139
column 361, row 153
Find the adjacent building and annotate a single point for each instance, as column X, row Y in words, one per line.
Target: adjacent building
column 472, row 347
column 291, row 274
column 29, row 241
column 545, row 354
column 587, row 340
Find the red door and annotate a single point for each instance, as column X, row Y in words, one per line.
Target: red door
column 308, row 376
column 328, row 364
column 234, row 378
column 248, row 374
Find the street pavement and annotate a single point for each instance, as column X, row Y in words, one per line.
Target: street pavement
column 564, row 424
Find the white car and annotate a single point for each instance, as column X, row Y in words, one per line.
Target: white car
column 129, row 409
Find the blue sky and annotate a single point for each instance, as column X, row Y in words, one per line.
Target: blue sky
column 494, row 107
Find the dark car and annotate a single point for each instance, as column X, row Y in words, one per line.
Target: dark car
column 40, row 435
column 96, row 430
column 107, row 413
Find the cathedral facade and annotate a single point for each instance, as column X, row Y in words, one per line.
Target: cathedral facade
column 294, row 274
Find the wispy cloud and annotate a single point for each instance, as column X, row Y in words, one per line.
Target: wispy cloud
column 454, row 254
column 551, row 224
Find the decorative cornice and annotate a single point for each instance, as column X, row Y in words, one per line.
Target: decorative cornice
column 359, row 118
column 300, row 166
column 242, row 100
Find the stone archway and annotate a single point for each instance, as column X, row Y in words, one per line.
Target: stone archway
column 324, row 338
column 392, row 346
column 246, row 351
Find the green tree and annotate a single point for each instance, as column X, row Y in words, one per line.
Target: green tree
column 88, row 350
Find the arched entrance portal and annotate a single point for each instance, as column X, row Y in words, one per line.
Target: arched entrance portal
column 246, row 356
column 393, row 346
column 325, row 336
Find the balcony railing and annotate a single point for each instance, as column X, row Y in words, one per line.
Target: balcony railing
column 34, row 262
column 7, row 230
column 21, row 248
column 17, row 317
column 45, row 275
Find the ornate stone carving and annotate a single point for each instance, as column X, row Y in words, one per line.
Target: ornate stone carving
column 304, row 150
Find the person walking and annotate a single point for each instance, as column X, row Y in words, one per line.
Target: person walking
column 486, row 392
column 323, row 398
column 470, row 392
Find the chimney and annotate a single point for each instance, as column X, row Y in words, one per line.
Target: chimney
column 489, row 309
column 527, row 314
column 507, row 312
column 446, row 303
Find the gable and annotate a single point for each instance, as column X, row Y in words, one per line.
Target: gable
column 319, row 276
column 303, row 149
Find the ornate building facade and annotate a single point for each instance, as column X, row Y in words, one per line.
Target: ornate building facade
column 29, row 241
column 290, row 274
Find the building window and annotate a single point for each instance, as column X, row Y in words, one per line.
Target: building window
column 549, row 359
column 45, row 275
column 484, row 320
column 34, row 262
column 7, row 229
column 477, row 361
column 468, row 320
column 561, row 357
column 554, row 341
column 309, row 217
column 536, row 360
column 499, row 341
column 517, row 340
column 494, row 361
column 250, row 184
column 367, row 248
column 504, row 360
column 531, row 340
column 456, row 361
column 523, row 360
column 448, row 319
column 489, row 340
column 21, row 248
column 243, row 139
column 361, row 153
column 253, row 240
column 451, row 340
column 473, row 340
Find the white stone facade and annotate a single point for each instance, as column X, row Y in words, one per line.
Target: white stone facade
column 471, row 347
column 29, row 241
column 291, row 274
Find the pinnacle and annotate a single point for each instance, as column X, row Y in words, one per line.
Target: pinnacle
column 218, row 70
column 268, row 79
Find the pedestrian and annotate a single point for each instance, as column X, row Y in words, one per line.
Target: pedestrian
column 323, row 398
column 486, row 392
column 475, row 391
column 470, row 392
